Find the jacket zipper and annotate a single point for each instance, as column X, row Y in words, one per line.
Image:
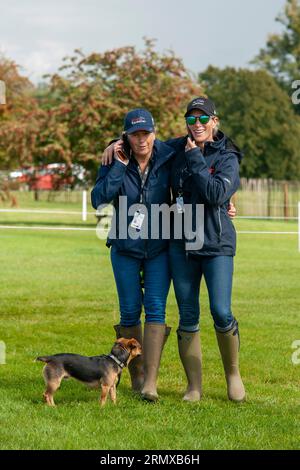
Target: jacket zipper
column 220, row 224
column 144, row 178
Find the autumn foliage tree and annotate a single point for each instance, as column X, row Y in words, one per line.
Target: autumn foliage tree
column 79, row 109
column 281, row 55
column 90, row 96
column 17, row 126
column 83, row 106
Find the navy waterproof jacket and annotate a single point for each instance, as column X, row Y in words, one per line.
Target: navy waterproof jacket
column 118, row 179
column 210, row 178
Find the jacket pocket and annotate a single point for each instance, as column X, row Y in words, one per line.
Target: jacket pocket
column 228, row 230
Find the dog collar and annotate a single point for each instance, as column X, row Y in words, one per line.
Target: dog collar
column 119, row 363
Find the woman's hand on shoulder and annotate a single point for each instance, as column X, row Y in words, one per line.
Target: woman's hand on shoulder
column 231, row 210
column 109, row 153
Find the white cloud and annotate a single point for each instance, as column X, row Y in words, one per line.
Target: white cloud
column 45, row 59
column 38, row 34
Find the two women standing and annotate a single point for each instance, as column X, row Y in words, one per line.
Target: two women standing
column 202, row 170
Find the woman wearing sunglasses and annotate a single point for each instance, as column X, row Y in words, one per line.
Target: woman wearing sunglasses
column 205, row 173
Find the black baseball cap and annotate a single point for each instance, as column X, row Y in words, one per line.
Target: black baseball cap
column 202, row 104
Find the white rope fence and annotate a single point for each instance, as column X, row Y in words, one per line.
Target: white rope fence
column 89, row 229
column 84, row 213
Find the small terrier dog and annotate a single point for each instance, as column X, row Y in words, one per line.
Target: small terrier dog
column 96, row 371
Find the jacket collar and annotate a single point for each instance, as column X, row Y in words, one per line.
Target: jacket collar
column 217, row 144
column 161, row 153
column 224, row 144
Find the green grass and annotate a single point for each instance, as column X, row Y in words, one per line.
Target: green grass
column 58, row 294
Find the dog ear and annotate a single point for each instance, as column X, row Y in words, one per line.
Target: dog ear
column 125, row 342
column 120, row 340
column 133, row 343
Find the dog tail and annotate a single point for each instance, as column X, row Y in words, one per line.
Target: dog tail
column 44, row 358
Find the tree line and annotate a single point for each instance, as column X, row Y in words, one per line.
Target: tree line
column 75, row 112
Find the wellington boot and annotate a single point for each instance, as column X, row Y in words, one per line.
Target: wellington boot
column 190, row 354
column 155, row 337
column 229, row 348
column 135, row 367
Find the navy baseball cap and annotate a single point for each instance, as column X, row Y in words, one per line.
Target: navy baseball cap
column 202, row 104
column 138, row 120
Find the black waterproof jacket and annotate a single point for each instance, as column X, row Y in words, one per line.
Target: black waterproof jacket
column 208, row 178
column 117, row 180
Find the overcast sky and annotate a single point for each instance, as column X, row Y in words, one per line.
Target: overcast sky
column 38, row 33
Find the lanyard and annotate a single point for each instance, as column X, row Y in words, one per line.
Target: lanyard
column 183, row 176
column 144, row 177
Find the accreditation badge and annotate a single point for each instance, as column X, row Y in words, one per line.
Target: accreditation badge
column 137, row 220
column 180, row 205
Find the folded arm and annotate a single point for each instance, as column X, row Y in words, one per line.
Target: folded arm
column 216, row 188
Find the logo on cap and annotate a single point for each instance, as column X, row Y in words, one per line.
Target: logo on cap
column 139, row 120
column 198, row 102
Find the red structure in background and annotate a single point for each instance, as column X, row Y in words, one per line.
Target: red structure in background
column 37, row 181
column 52, row 177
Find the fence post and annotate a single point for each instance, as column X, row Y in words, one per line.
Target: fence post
column 299, row 226
column 286, row 200
column 269, row 197
column 84, row 206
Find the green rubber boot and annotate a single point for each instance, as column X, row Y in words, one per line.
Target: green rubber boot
column 229, row 345
column 135, row 367
column 155, row 337
column 190, row 354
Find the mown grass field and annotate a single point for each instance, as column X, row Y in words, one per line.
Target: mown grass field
column 58, row 295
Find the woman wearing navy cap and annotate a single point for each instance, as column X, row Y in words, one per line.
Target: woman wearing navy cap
column 143, row 176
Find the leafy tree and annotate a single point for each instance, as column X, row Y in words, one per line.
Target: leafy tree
column 90, row 96
column 84, row 104
column 281, row 56
column 19, row 90
column 257, row 114
column 17, row 119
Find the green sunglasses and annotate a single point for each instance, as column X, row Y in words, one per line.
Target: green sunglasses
column 191, row 120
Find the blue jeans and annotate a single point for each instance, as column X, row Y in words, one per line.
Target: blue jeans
column 157, row 281
column 187, row 274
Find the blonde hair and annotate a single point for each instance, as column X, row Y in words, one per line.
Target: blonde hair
column 216, row 129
